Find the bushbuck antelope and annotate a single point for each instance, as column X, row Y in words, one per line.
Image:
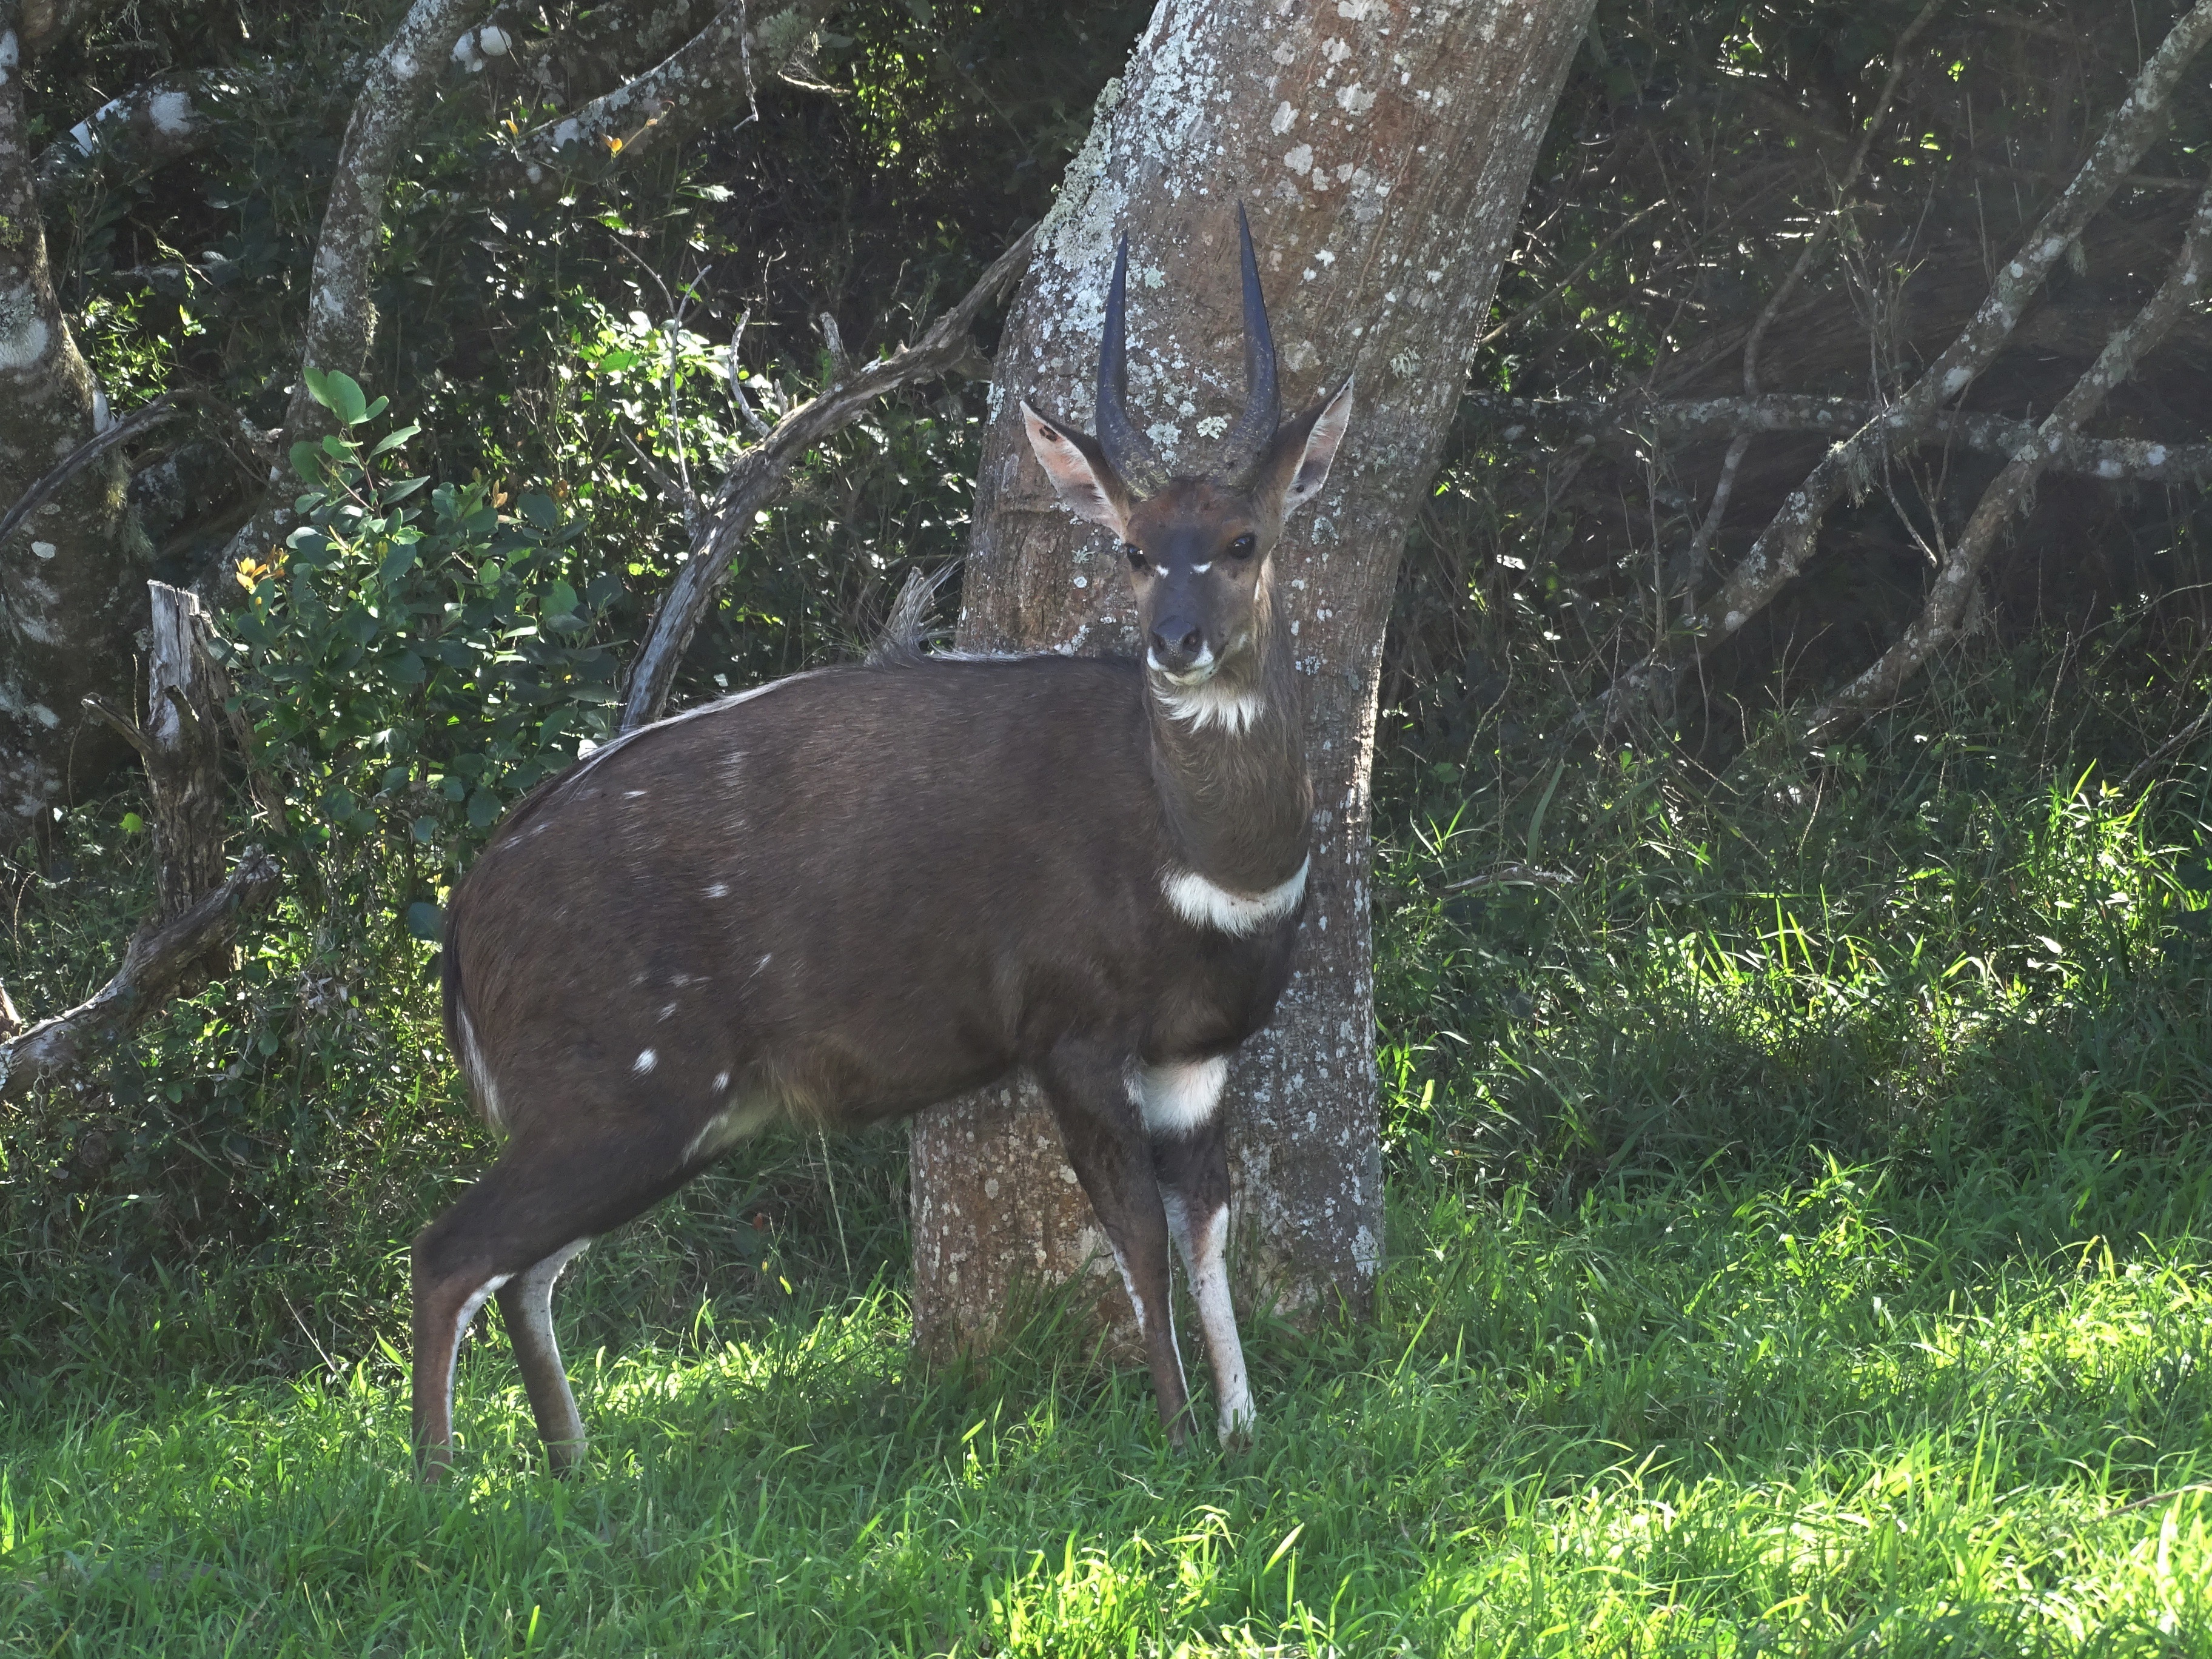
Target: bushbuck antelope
column 847, row 895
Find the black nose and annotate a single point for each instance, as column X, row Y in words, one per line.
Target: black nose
column 1177, row 643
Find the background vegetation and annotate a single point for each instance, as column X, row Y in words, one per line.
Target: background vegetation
column 1799, row 1216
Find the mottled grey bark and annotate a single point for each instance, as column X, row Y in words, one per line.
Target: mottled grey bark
column 130, row 135
column 2013, row 491
column 1789, row 538
column 1383, row 151
column 711, row 78
column 341, row 320
column 180, row 744
column 72, row 575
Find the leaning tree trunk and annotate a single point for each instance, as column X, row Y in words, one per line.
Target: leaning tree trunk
column 73, row 578
column 1383, row 151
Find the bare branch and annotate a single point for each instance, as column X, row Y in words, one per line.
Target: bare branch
column 756, row 477
column 698, row 85
column 2133, row 460
column 1572, row 277
column 138, row 422
column 2010, row 495
column 1515, row 874
column 160, row 960
column 128, row 136
column 1789, row 538
column 399, row 82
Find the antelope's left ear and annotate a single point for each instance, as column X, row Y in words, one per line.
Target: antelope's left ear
column 1305, row 447
column 1081, row 476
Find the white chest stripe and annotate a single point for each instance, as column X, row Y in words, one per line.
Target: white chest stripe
column 1204, row 904
column 1180, row 1095
column 1202, row 706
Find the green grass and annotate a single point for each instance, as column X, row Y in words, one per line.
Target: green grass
column 1809, row 1419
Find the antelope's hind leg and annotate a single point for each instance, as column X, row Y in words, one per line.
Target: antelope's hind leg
column 525, row 1302
column 511, row 1234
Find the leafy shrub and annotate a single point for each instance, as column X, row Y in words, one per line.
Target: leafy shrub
column 408, row 674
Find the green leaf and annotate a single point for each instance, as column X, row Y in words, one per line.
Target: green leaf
column 424, row 829
column 560, row 599
column 342, row 395
column 405, row 486
column 426, row 921
column 391, row 440
column 407, row 668
column 132, row 824
column 483, row 810
column 396, row 563
column 540, row 510
column 307, row 461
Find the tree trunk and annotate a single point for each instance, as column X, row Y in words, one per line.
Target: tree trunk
column 73, row 578
column 1383, row 151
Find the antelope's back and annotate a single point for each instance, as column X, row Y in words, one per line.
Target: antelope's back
column 856, row 890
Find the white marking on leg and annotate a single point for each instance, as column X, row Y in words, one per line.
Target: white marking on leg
column 1178, row 1097
column 1203, row 903
column 1204, row 1257
column 1144, row 1327
column 480, row 1078
column 536, row 1317
column 470, row 1308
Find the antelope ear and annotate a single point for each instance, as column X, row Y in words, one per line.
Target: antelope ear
column 1087, row 483
column 1304, row 448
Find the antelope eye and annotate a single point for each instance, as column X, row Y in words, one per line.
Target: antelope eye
column 1244, row 546
column 1136, row 555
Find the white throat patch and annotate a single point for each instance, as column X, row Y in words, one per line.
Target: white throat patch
column 1203, row 903
column 1210, row 704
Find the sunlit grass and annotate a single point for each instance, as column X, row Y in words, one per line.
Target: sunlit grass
column 1811, row 1419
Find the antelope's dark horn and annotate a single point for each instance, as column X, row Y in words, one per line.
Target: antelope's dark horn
column 1128, row 450
column 1263, row 402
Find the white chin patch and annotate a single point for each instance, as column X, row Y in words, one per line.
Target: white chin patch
column 1179, row 1097
column 1206, row 904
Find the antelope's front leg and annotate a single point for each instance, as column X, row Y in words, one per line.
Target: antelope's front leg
column 1108, row 1149
column 1194, row 1174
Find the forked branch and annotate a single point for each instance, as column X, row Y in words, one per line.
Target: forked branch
column 1789, row 538
column 756, row 477
column 2010, row 494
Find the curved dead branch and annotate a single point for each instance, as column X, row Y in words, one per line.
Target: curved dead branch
column 757, row 475
column 2011, row 493
column 161, row 959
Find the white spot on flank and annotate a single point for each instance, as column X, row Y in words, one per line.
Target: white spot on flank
column 633, row 794
column 722, row 1081
column 1204, row 904
column 720, row 889
column 1179, row 1095
column 646, row 1061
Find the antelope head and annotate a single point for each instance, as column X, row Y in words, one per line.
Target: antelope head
column 1197, row 546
